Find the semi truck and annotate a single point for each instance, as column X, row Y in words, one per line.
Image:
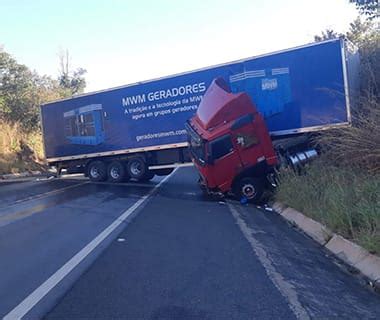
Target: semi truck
column 138, row 130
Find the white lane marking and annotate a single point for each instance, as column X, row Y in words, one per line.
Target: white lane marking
column 285, row 288
column 30, row 301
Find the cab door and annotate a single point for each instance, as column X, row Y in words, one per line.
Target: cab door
column 224, row 162
column 247, row 142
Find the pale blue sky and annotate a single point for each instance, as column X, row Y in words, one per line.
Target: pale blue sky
column 120, row 42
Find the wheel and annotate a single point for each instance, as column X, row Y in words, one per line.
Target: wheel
column 136, row 168
column 148, row 176
column 97, row 171
column 116, row 172
column 249, row 188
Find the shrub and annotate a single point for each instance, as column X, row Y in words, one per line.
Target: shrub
column 344, row 199
column 357, row 146
column 20, row 150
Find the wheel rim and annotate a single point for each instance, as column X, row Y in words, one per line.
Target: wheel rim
column 248, row 191
column 135, row 168
column 115, row 173
column 94, row 172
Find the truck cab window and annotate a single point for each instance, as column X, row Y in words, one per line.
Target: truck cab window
column 221, row 147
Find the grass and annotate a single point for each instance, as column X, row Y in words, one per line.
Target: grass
column 342, row 188
column 19, row 150
column 357, row 146
column 346, row 200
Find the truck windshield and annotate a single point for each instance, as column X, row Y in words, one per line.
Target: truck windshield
column 196, row 144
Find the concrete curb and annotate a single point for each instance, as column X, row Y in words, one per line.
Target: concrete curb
column 15, row 176
column 19, row 175
column 349, row 252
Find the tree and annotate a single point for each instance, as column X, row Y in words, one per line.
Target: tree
column 22, row 91
column 17, row 84
column 366, row 37
column 359, row 31
column 370, row 8
column 326, row 35
column 71, row 81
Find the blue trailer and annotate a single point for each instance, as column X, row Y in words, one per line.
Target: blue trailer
column 138, row 130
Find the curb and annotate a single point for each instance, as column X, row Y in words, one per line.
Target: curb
column 26, row 174
column 312, row 228
column 19, row 175
column 345, row 250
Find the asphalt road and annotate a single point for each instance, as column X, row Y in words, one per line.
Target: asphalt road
column 70, row 249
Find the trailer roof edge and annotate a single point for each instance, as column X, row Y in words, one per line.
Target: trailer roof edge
column 195, row 70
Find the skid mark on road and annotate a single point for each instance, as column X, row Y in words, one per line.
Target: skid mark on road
column 26, row 207
column 286, row 289
column 42, row 195
column 127, row 184
column 35, row 297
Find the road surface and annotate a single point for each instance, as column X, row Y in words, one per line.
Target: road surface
column 160, row 250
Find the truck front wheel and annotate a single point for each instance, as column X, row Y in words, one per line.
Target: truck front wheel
column 97, row 171
column 137, row 168
column 249, row 188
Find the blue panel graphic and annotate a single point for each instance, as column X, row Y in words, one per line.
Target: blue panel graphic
column 85, row 125
column 269, row 89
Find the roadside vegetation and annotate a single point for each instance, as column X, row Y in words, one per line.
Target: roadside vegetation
column 342, row 188
column 20, row 150
column 344, row 199
column 21, row 93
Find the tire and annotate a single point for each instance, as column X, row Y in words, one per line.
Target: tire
column 116, row 172
column 137, row 168
column 249, row 188
column 97, row 171
column 148, row 176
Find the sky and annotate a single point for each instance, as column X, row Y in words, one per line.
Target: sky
column 121, row 41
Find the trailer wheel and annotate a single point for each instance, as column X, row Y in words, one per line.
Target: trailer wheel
column 116, row 172
column 137, row 168
column 148, row 176
column 97, row 171
column 249, row 188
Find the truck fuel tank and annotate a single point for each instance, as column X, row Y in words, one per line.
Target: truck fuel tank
column 301, row 158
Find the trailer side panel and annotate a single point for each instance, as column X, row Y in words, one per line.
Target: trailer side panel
column 297, row 90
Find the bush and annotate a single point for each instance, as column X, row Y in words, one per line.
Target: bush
column 357, row 146
column 344, row 199
column 20, row 150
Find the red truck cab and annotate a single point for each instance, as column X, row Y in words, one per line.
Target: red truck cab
column 230, row 144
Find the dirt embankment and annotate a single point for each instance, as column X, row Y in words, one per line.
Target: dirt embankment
column 20, row 151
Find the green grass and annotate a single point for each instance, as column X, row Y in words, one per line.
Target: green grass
column 346, row 200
